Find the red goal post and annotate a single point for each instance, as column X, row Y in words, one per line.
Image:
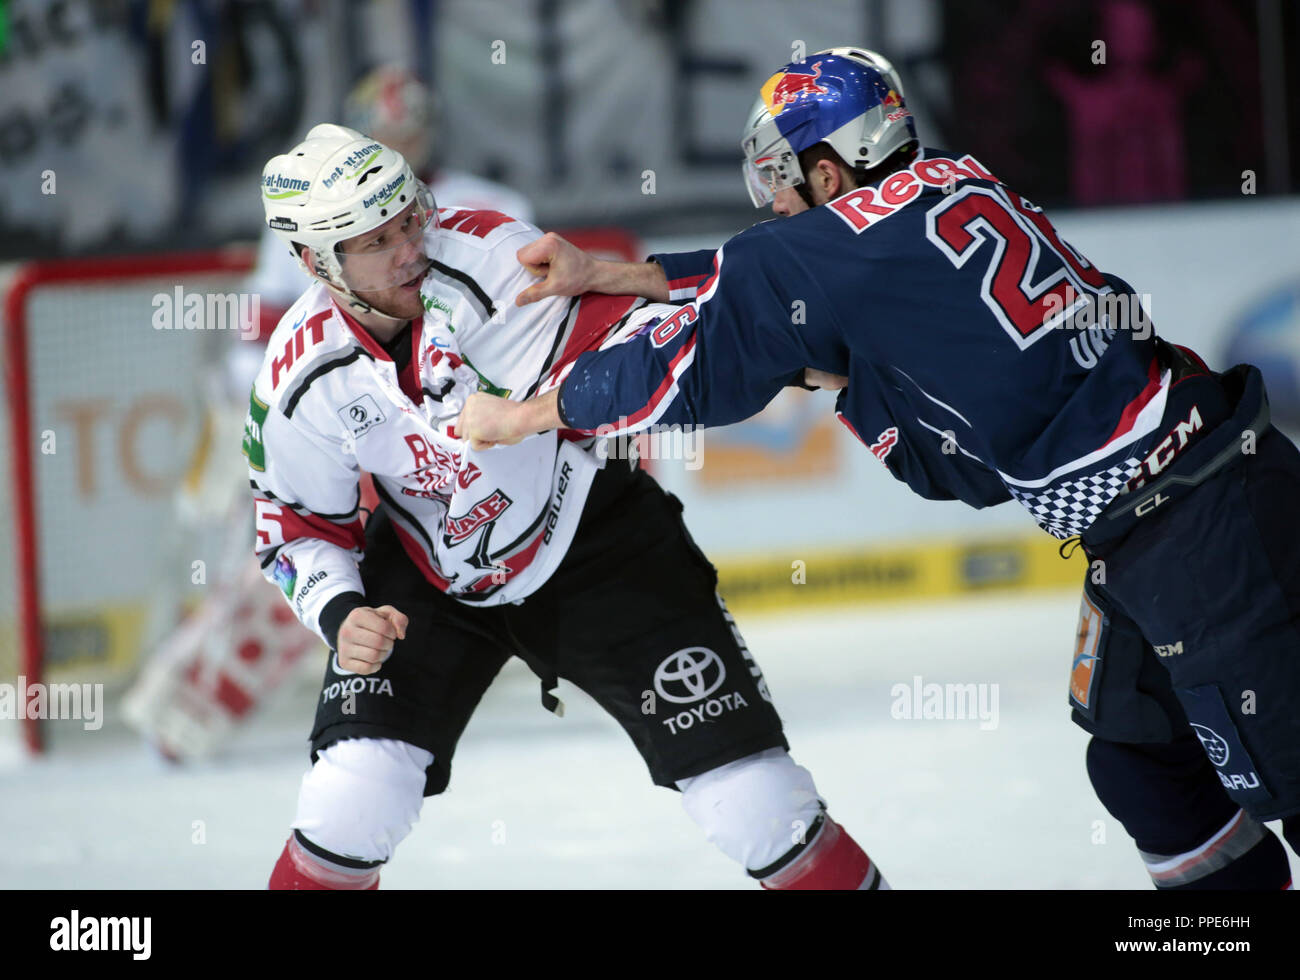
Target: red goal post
column 82, row 356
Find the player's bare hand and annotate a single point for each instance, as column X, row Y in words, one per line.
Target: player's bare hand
column 565, row 269
column 367, row 636
column 824, row 379
column 488, row 421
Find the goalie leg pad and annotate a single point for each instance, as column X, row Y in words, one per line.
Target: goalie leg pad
column 362, row 797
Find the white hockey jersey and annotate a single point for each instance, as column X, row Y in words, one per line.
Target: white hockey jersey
column 486, row 527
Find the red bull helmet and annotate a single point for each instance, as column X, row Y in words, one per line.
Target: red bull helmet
column 849, row 98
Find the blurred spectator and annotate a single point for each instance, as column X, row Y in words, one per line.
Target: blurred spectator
column 1126, row 123
column 1033, row 97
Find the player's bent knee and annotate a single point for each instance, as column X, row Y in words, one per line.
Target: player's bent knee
column 1189, row 833
column 1166, row 795
column 754, row 809
column 362, row 797
column 764, row 812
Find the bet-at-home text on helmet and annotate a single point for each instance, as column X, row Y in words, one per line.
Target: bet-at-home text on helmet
column 337, row 184
column 849, row 98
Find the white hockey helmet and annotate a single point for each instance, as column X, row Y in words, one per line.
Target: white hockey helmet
column 849, row 98
column 337, row 184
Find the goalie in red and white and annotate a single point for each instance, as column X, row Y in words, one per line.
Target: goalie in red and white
column 542, row 549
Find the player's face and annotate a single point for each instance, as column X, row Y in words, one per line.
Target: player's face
column 787, row 202
column 825, row 181
column 386, row 265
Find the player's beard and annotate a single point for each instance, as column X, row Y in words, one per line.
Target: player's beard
column 401, row 301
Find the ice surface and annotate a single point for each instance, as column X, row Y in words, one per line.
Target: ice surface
column 541, row 802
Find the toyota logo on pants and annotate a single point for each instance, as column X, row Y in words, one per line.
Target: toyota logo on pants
column 689, row 675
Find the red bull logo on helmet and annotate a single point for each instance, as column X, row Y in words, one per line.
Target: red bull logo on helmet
column 894, row 108
column 786, row 87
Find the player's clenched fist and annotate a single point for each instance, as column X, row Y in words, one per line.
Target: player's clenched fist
column 367, row 636
column 487, row 420
column 565, row 269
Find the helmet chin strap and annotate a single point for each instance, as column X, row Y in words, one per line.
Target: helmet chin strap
column 358, row 305
column 355, row 302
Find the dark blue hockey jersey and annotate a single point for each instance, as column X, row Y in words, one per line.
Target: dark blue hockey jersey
column 987, row 359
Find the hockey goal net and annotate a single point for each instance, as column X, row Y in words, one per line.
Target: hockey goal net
column 104, row 364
